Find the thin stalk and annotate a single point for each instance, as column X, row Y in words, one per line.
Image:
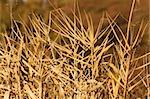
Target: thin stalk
column 130, row 19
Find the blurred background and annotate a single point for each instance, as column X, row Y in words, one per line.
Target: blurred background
column 24, row 8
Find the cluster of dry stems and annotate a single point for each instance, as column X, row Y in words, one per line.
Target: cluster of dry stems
column 68, row 59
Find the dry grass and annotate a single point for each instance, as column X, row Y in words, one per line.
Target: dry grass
column 68, row 58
